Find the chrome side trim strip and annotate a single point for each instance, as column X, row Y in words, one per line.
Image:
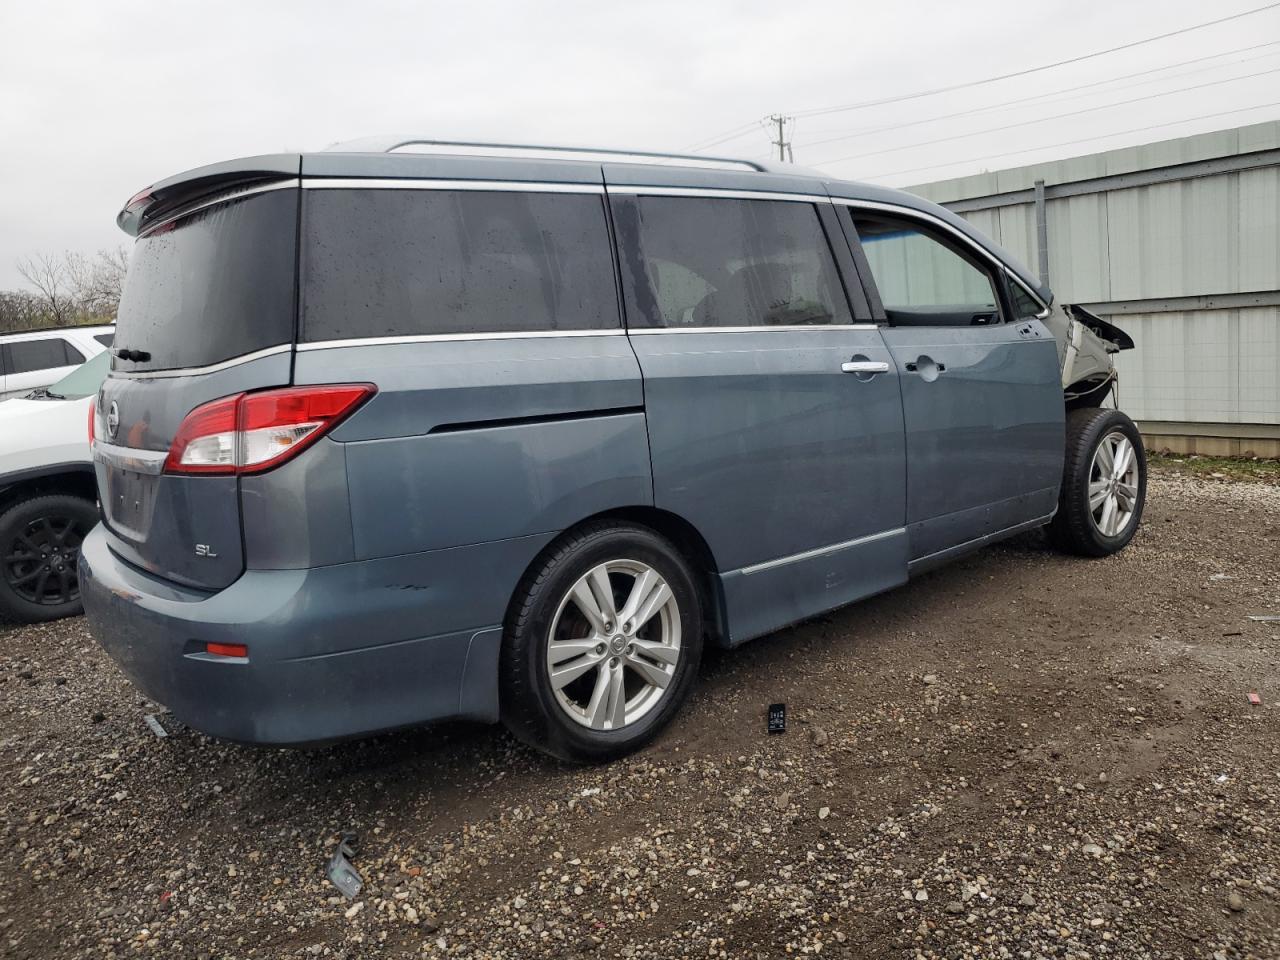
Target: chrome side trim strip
column 289, row 184
column 198, row 371
column 633, row 190
column 408, row 183
column 912, row 214
column 455, row 337
column 150, row 462
column 821, row 551
column 795, row 328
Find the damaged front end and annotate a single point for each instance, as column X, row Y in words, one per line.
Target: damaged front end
column 1086, row 344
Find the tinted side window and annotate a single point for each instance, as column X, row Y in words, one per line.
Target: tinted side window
column 27, row 356
column 104, row 338
column 73, row 354
column 710, row 262
column 383, row 263
column 923, row 279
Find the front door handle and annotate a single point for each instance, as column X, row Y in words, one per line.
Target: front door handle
column 864, row 366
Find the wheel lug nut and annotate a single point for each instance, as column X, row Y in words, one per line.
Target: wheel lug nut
column 599, row 648
column 614, row 663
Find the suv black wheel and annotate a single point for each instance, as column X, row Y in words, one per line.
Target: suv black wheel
column 39, row 550
column 602, row 643
column 1104, row 483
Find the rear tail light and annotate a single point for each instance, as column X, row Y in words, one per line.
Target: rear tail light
column 93, row 413
column 253, row 432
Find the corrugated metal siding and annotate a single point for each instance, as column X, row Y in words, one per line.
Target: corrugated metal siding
column 1206, row 235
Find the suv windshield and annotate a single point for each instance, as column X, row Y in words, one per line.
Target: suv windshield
column 83, row 381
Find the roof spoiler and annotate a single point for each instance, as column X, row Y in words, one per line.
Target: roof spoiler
column 173, row 194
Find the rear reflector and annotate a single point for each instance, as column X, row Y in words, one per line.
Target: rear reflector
column 253, row 432
column 227, row 649
column 93, row 412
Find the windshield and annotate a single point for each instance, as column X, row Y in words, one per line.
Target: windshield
column 84, row 380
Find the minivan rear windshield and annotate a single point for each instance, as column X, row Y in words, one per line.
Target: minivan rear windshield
column 212, row 286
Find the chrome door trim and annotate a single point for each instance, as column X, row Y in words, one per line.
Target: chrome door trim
column 634, row 190
column 456, row 337
column 425, row 183
column 911, row 213
column 198, row 371
column 820, row 551
column 794, row 328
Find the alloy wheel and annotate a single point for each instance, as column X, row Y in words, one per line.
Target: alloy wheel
column 614, row 645
column 1113, row 484
column 40, row 562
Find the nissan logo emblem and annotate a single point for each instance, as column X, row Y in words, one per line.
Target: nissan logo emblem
column 113, row 420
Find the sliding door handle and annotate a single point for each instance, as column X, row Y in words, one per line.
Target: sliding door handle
column 864, row 366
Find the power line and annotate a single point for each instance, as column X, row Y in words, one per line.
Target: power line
column 727, row 135
column 1056, row 116
column 1056, row 93
column 1030, row 70
column 1071, row 143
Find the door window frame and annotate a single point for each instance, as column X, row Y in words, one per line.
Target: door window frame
column 941, row 231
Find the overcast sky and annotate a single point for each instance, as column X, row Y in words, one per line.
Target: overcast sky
column 98, row 100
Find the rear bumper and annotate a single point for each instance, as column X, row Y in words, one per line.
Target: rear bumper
column 334, row 652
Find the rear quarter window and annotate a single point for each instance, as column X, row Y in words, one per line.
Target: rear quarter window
column 386, row 263
column 212, row 286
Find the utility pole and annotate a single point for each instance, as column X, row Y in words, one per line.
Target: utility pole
column 785, row 152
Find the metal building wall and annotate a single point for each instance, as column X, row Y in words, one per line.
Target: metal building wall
column 1177, row 242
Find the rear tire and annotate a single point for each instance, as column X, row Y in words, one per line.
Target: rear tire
column 602, row 643
column 1104, row 484
column 39, row 551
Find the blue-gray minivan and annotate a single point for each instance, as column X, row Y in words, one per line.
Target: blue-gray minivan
column 398, row 433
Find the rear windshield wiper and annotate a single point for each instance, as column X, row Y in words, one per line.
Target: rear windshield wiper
column 44, row 393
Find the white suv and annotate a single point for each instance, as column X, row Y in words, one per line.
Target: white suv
column 47, row 497
column 36, row 358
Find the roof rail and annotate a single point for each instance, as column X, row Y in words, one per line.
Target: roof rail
column 393, row 144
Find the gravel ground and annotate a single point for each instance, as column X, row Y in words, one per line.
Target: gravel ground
column 1022, row 755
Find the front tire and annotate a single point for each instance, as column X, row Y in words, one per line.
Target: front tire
column 1104, row 484
column 602, row 643
column 39, row 550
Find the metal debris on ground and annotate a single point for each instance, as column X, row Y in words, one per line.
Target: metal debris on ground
column 340, row 872
column 1266, row 618
column 156, row 727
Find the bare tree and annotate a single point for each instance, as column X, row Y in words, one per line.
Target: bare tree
column 97, row 284
column 52, row 278
column 71, row 288
column 20, row 310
